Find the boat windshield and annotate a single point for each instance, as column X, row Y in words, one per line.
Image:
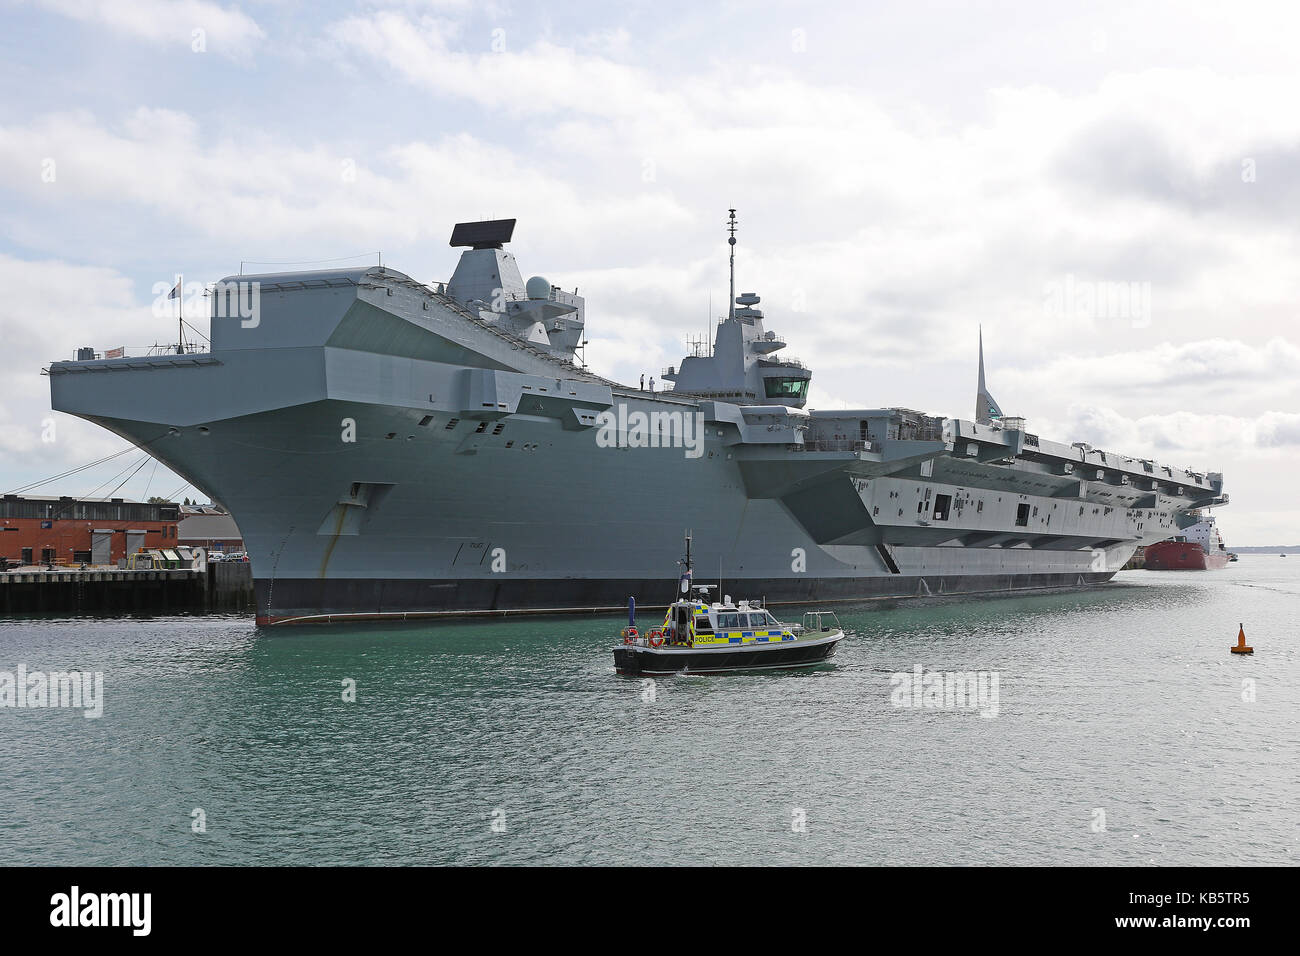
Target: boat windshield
column 736, row 621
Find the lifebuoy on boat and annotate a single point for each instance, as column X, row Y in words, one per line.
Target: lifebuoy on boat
column 629, row 635
column 656, row 638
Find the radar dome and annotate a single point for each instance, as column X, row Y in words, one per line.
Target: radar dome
column 538, row 288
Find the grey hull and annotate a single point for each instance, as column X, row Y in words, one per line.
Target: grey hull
column 316, row 601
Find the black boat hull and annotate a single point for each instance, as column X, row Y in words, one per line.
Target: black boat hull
column 640, row 661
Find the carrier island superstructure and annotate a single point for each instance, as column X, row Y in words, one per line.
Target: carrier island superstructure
column 391, row 448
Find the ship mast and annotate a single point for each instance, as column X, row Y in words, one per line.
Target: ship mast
column 180, row 316
column 684, row 582
column 731, row 302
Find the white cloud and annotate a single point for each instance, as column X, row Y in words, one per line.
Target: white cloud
column 259, row 190
column 1187, row 373
column 226, row 30
column 1187, row 433
column 49, row 309
column 502, row 73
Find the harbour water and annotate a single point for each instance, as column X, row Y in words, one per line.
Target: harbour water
column 1123, row 732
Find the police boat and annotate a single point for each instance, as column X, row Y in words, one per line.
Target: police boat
column 699, row 637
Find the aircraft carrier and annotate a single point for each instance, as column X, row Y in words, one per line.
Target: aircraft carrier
column 391, row 448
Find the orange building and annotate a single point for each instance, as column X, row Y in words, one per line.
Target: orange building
column 71, row 531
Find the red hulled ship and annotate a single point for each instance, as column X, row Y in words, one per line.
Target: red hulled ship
column 1199, row 548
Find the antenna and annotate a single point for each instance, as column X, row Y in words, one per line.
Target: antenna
column 731, row 228
column 684, row 580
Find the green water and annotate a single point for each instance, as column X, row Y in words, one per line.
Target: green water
column 513, row 741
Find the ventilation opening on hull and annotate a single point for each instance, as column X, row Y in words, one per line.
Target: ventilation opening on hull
column 353, row 510
column 888, row 559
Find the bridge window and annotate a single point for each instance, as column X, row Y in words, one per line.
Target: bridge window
column 795, row 388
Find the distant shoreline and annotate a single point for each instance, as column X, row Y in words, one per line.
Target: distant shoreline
column 1269, row 549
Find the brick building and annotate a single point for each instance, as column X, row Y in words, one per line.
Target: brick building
column 42, row 530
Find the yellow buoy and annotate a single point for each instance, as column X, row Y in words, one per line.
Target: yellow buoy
column 1241, row 647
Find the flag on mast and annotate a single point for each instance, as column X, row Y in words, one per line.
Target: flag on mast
column 177, row 294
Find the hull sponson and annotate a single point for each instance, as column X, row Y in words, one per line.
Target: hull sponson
column 315, row 601
column 384, row 452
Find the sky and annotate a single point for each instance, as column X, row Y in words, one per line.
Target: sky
column 1111, row 190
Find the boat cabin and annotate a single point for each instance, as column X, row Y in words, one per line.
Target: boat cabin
column 696, row 622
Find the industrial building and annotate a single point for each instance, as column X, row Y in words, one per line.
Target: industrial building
column 67, row 531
